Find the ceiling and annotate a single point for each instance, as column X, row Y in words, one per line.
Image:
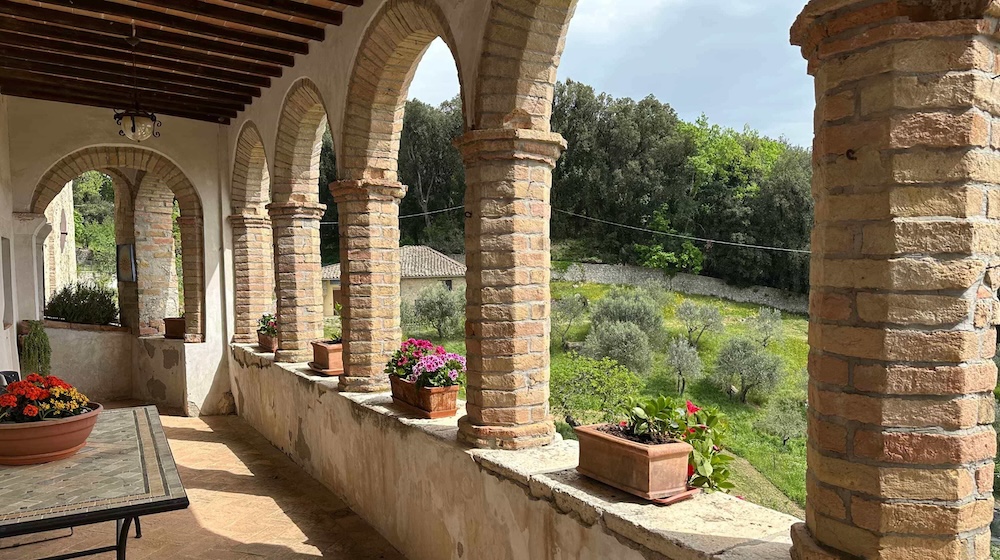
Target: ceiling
column 198, row 59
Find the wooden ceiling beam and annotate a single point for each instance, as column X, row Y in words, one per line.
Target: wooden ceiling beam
column 123, row 30
column 296, row 9
column 52, row 72
column 74, row 41
column 37, row 91
column 179, row 23
column 216, row 11
column 56, row 63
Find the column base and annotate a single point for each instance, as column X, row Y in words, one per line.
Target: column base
column 293, row 356
column 506, row 437
column 804, row 547
column 349, row 384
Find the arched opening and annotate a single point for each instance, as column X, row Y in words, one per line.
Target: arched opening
column 154, row 207
column 295, row 214
column 253, row 249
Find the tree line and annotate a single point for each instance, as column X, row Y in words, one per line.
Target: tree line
column 628, row 162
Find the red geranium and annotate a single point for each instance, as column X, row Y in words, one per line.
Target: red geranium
column 692, row 408
column 30, row 410
column 41, row 398
column 8, row 401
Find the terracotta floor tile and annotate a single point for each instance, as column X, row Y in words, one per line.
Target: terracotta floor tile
column 248, row 502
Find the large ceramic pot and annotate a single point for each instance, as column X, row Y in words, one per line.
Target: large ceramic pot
column 328, row 357
column 174, row 327
column 267, row 343
column 424, row 402
column 32, row 443
column 648, row 471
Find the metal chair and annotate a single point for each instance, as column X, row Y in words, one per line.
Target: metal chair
column 6, row 378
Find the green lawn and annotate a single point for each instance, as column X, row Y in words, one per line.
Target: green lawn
column 777, row 479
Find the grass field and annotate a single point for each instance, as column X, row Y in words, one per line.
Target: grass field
column 772, row 475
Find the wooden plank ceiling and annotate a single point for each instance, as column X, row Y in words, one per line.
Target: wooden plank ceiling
column 198, row 59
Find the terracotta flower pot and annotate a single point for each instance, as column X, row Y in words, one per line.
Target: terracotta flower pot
column 648, row 471
column 267, row 343
column 174, row 327
column 328, row 357
column 424, row 402
column 32, row 443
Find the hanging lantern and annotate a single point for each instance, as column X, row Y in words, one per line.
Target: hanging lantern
column 136, row 125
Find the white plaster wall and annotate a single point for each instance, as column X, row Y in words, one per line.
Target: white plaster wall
column 98, row 363
column 43, row 132
column 8, row 337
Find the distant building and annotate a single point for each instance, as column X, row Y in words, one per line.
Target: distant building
column 59, row 248
column 420, row 267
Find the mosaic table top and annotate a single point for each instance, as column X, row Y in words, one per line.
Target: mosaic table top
column 125, row 470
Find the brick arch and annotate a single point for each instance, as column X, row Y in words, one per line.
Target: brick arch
column 517, row 71
column 386, row 62
column 251, row 183
column 153, row 167
column 301, row 124
column 253, row 248
column 102, row 158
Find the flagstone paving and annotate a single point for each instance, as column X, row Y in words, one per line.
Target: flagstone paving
column 248, row 501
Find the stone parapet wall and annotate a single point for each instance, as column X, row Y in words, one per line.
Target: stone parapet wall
column 500, row 505
column 684, row 283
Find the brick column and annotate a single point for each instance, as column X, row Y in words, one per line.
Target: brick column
column 508, row 178
column 192, row 230
column 298, row 278
column 369, row 263
column 904, row 279
column 253, row 273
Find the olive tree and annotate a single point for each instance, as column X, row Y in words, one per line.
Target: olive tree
column 630, row 306
column 766, row 326
column 566, row 311
column 441, row 308
column 698, row 319
column 684, row 362
column 625, row 343
column 586, row 390
column 744, row 367
column 784, row 418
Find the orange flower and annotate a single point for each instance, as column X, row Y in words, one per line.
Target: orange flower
column 31, row 411
column 8, row 401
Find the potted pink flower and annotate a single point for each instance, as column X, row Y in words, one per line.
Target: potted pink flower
column 425, row 379
column 267, row 333
column 663, row 448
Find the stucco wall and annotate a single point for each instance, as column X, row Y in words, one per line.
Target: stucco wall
column 97, row 362
column 159, row 373
column 433, row 498
column 8, row 338
column 410, row 288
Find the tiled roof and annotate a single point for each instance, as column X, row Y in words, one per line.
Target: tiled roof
column 416, row 261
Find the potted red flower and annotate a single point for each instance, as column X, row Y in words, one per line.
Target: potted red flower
column 425, row 379
column 663, row 447
column 43, row 419
column 267, row 333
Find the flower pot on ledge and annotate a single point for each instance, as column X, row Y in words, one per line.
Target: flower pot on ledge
column 174, row 328
column 328, row 357
column 267, row 343
column 424, row 402
column 653, row 472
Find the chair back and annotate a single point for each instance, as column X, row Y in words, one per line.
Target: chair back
column 6, row 378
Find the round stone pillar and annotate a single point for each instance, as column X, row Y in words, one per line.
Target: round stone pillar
column 298, row 278
column 253, row 273
column 903, row 280
column 508, row 177
column 369, row 279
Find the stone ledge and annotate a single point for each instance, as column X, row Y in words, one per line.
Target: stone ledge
column 56, row 324
column 710, row 526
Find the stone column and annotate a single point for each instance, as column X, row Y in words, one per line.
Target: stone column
column 369, row 278
column 253, row 274
column 298, row 278
column 193, row 269
column 508, row 178
column 28, row 236
column 903, row 283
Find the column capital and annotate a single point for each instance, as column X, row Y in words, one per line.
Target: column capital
column 189, row 220
column 511, row 144
column 367, row 189
column 249, row 220
column 828, row 28
column 296, row 210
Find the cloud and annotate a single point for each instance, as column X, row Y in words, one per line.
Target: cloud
column 603, row 21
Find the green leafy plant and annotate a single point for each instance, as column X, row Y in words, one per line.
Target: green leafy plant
column 586, row 390
column 663, row 420
column 625, row 343
column 333, row 327
column 36, row 352
column 698, row 319
column 442, row 309
column 86, row 303
column 566, row 311
column 267, row 325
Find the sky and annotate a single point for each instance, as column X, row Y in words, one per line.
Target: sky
column 727, row 59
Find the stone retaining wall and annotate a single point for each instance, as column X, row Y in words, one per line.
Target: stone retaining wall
column 435, row 498
column 684, row 283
